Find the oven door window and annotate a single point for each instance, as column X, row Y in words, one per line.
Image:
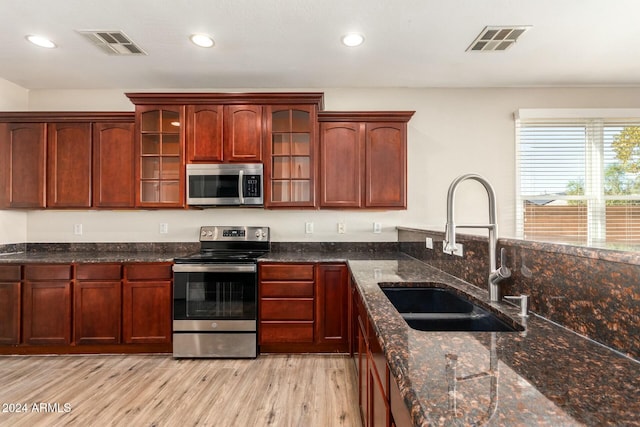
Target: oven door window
column 213, row 186
column 215, row 296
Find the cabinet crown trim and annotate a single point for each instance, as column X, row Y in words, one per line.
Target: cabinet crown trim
column 271, row 98
column 66, row 116
column 365, row 116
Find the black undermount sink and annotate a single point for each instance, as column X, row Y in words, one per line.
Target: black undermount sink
column 438, row 309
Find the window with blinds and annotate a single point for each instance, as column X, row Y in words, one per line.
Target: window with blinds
column 578, row 177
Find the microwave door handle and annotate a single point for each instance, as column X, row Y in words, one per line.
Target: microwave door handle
column 240, row 186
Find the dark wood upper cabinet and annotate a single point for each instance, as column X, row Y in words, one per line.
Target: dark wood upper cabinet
column 23, row 150
column 69, row 165
column 58, row 159
column 341, row 164
column 83, row 159
column 113, row 165
column 204, row 133
column 290, row 156
column 243, row 133
column 363, row 159
column 160, row 156
column 386, row 165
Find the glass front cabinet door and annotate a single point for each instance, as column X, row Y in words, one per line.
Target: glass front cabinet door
column 160, row 160
column 290, row 171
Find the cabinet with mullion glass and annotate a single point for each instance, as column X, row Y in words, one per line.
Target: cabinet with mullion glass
column 291, row 144
column 161, row 160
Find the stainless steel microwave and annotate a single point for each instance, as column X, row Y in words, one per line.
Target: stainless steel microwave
column 225, row 184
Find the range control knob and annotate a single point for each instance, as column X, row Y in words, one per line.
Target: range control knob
column 203, row 233
column 259, row 234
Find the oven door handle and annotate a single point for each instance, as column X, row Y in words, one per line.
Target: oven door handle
column 215, row 268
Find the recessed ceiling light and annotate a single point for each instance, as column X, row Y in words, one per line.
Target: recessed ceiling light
column 352, row 39
column 202, row 40
column 41, row 41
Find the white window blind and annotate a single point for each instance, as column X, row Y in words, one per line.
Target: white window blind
column 578, row 178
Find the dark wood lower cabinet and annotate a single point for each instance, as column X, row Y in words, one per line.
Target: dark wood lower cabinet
column 378, row 403
column 378, row 385
column 303, row 307
column 146, row 309
column 97, row 304
column 85, row 308
column 10, row 313
column 332, row 307
column 47, row 313
column 97, row 312
column 400, row 415
column 362, row 363
column 378, row 394
column 286, row 294
column 146, row 304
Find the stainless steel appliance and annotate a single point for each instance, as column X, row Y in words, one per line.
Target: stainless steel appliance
column 225, row 184
column 215, row 294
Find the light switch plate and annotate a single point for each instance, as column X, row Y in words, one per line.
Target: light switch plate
column 77, row 229
column 429, row 243
column 164, row 228
column 342, row 228
column 377, row 227
column 308, row 227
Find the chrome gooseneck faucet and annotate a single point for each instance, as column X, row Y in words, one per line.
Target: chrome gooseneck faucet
column 495, row 275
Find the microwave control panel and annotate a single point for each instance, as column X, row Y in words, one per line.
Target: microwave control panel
column 251, row 187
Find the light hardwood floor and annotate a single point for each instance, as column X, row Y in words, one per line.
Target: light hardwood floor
column 153, row 390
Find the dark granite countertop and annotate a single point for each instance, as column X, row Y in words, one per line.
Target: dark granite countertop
column 546, row 375
column 334, row 256
column 86, row 257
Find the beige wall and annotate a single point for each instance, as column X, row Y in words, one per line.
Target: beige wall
column 13, row 97
column 13, row 225
column 454, row 131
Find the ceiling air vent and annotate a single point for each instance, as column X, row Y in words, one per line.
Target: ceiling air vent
column 496, row 38
column 112, row 42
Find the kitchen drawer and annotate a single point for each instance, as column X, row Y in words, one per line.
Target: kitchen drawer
column 276, row 333
column 286, row 272
column 286, row 309
column 148, row 271
column 47, row 272
column 99, row 272
column 9, row 273
column 286, row 289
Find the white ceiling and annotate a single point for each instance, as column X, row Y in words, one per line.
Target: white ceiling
column 296, row 43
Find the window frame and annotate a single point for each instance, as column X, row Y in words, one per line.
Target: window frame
column 595, row 122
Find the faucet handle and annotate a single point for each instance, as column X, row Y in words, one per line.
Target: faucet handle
column 505, row 272
column 524, row 303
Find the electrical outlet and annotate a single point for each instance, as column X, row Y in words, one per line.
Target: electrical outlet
column 164, row 228
column 77, row 229
column 459, row 249
column 308, row 227
column 428, row 243
column 342, row 228
column 377, row 227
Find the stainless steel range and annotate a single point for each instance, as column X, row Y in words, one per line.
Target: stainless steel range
column 215, row 294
